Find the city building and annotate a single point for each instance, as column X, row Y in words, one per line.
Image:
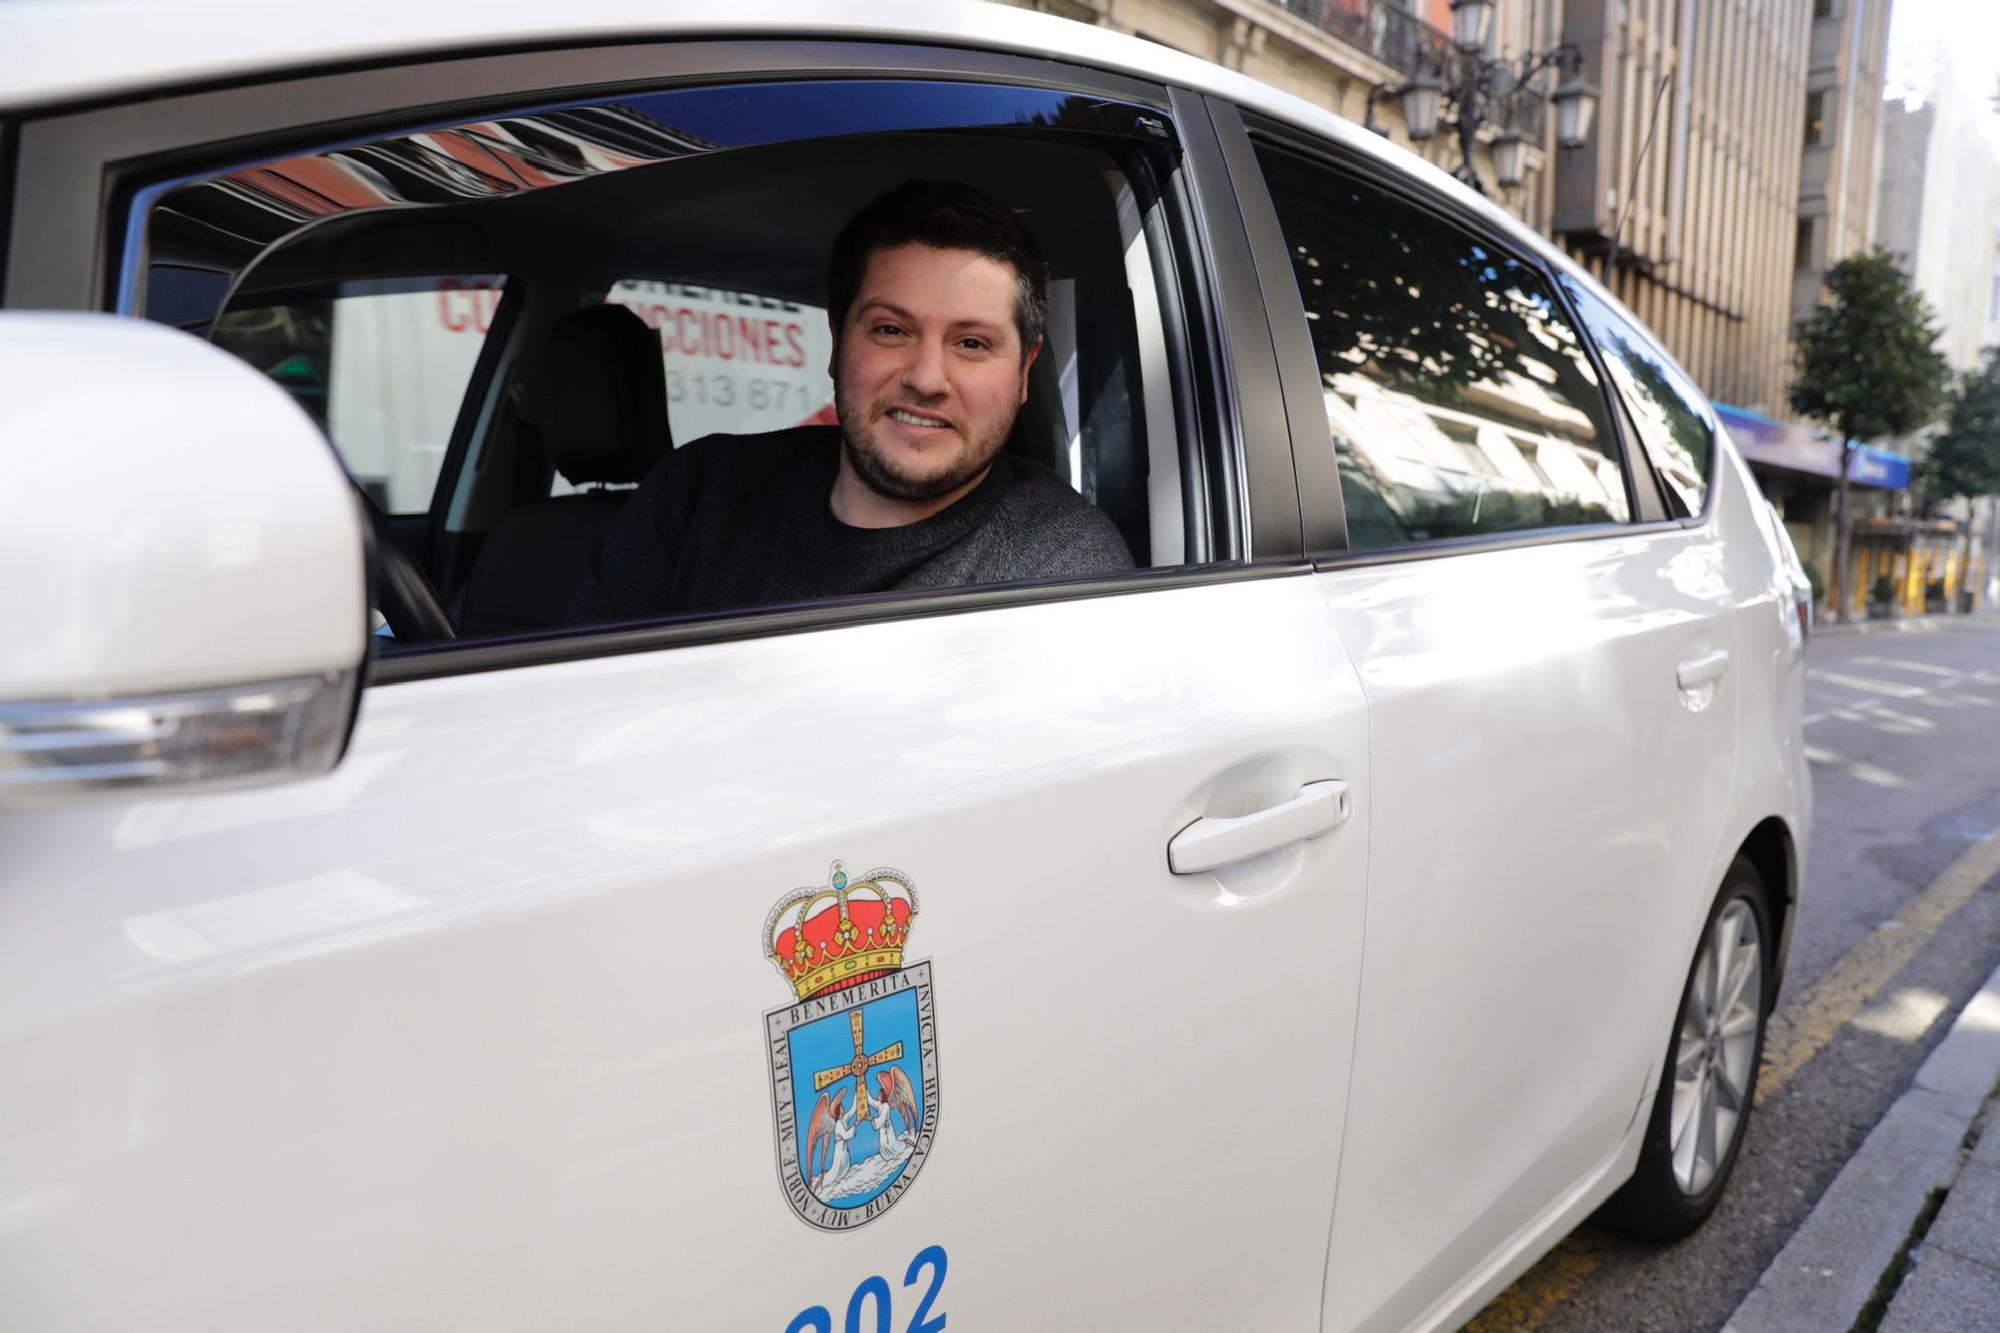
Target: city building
column 1843, row 119
column 1939, row 193
column 1839, row 154
column 1694, row 170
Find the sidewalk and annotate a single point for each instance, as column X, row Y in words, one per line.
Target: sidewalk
column 1907, row 1238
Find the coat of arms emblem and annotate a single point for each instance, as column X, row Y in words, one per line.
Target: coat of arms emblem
column 854, row 1072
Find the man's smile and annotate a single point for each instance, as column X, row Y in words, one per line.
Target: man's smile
column 906, row 416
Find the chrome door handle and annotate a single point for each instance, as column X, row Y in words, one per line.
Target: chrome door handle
column 1703, row 670
column 1208, row 843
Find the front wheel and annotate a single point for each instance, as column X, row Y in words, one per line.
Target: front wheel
column 1703, row 1105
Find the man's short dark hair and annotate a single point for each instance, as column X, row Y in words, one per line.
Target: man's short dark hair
column 945, row 215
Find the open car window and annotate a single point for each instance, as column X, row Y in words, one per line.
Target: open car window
column 709, row 212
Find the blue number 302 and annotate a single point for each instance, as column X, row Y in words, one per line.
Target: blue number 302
column 874, row 1291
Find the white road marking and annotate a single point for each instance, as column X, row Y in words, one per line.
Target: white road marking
column 1902, row 664
column 1872, row 686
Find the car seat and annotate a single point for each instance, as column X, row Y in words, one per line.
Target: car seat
column 604, row 423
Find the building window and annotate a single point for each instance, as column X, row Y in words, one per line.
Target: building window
column 1802, row 247
column 1815, row 118
column 1822, row 9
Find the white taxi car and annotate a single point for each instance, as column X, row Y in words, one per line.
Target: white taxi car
column 1302, row 930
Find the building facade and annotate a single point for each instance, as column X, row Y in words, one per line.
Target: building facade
column 1939, row 193
column 1843, row 130
column 1839, row 157
column 1695, row 169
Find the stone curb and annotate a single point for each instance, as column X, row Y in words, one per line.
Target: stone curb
column 1830, row 1268
column 1825, row 625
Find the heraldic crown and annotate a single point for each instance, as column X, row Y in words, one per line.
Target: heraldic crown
column 842, row 933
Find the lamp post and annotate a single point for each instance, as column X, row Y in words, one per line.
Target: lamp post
column 1474, row 86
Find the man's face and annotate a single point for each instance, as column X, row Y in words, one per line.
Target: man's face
column 928, row 371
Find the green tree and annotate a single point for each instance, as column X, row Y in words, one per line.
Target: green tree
column 1964, row 459
column 1868, row 366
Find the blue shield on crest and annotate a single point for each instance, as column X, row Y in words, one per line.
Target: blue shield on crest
column 854, row 1071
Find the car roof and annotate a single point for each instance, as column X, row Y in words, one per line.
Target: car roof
column 56, row 53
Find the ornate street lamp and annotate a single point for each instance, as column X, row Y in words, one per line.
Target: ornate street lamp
column 1422, row 96
column 1510, row 152
column 1462, row 76
column 1576, row 100
column 1471, row 25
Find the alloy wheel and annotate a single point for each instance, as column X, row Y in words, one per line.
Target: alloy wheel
column 1720, row 1017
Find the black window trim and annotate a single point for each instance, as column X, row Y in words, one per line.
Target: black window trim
column 481, row 401
column 1258, row 430
column 1322, row 509
column 1318, row 477
column 9, row 161
column 391, row 664
column 88, row 165
column 84, row 167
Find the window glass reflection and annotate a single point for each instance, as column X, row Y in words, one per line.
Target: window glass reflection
column 1673, row 419
column 1461, row 401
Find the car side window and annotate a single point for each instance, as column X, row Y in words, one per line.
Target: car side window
column 1673, row 420
column 1462, row 403
column 381, row 365
column 709, row 212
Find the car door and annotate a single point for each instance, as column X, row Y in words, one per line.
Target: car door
column 564, row 999
column 1545, row 655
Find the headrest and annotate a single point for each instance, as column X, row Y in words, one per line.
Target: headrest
column 604, row 401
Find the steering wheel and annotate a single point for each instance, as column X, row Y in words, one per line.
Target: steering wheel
column 407, row 600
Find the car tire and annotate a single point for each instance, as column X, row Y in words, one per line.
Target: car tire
column 1709, row 1084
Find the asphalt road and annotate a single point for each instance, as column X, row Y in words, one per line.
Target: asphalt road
column 1902, row 729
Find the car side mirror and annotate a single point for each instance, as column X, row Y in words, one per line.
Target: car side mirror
column 185, row 594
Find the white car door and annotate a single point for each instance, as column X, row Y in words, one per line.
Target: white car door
column 1545, row 655
column 505, row 1022
column 484, row 1026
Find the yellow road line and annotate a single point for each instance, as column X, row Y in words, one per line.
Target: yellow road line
column 1795, row 1034
column 1797, row 1031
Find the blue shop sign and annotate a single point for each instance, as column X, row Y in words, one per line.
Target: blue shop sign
column 1780, row 444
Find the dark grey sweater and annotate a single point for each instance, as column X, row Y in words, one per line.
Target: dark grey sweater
column 741, row 520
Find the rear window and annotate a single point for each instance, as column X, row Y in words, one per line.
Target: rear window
column 382, row 366
column 1673, row 420
column 1461, row 402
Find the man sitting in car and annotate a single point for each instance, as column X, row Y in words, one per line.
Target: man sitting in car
column 937, row 296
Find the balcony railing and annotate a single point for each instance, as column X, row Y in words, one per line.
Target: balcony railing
column 1406, row 43
column 1397, row 39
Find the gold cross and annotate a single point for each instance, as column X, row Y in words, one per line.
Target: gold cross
column 858, row 1069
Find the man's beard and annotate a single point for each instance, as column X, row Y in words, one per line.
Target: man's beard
column 872, row 464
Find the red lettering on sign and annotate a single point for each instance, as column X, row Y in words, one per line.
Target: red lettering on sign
column 448, row 314
column 466, row 308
